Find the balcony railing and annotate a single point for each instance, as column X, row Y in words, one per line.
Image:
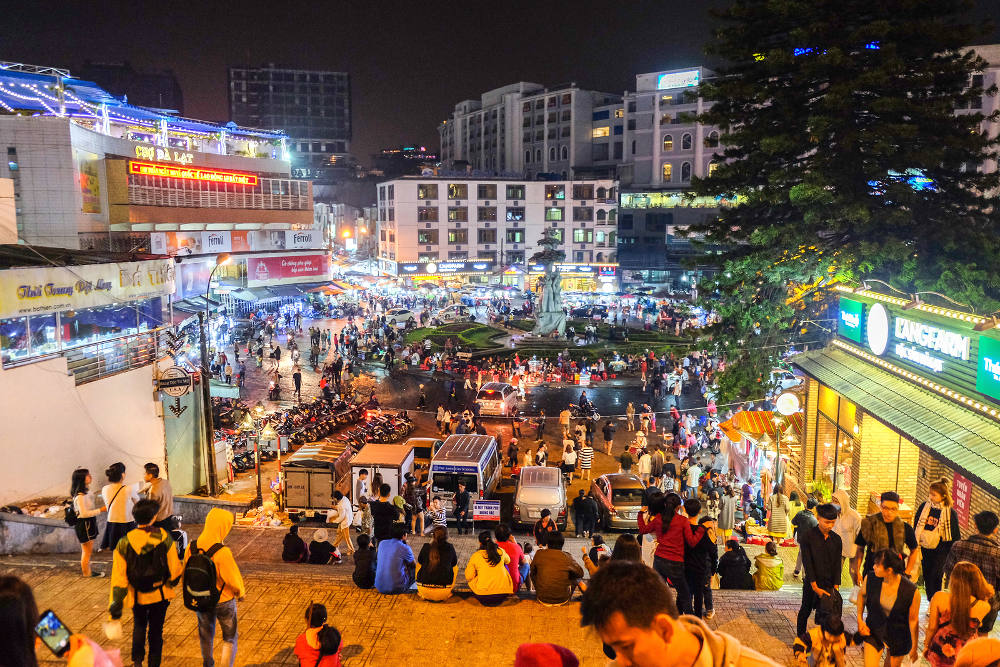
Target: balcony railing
column 108, row 357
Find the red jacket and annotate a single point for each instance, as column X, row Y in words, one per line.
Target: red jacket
column 670, row 544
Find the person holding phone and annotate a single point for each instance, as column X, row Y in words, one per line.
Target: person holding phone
column 86, row 518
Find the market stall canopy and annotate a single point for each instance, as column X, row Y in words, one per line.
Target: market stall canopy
column 328, row 290
column 755, row 424
column 346, row 285
column 971, row 442
column 219, row 389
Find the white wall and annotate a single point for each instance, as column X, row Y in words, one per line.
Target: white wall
column 49, row 427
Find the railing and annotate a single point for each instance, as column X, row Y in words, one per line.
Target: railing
column 92, row 362
column 144, row 195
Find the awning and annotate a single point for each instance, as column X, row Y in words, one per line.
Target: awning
column 969, row 441
column 328, row 290
column 284, row 290
column 219, row 389
column 243, row 295
column 186, row 306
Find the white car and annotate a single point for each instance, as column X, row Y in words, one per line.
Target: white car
column 453, row 313
column 400, row 317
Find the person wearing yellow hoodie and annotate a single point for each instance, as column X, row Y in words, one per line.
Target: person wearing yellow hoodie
column 145, row 569
column 218, row 523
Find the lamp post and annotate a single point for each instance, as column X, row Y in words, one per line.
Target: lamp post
column 206, row 375
column 251, row 424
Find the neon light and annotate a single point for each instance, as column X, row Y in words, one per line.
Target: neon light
column 191, row 173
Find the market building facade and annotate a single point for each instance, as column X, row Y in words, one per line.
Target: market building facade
column 906, row 393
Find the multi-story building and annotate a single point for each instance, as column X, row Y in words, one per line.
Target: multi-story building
column 443, row 229
column 524, row 128
column 159, row 89
column 312, row 107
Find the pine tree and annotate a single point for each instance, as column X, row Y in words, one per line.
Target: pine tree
column 842, row 140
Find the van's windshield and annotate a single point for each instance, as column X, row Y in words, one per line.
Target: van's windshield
column 538, row 495
column 447, row 481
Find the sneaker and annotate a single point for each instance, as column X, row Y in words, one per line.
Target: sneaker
column 795, row 575
column 97, row 574
column 710, row 613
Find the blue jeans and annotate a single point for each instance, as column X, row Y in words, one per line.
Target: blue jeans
column 524, row 570
column 225, row 613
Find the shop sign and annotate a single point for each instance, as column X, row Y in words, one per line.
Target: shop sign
column 444, row 268
column 52, row 289
column 486, row 510
column 192, row 173
column 160, row 154
column 940, row 340
column 87, row 166
column 849, row 322
column 684, row 79
column 286, row 268
column 174, row 382
column 988, row 372
column 304, row 238
column 961, row 496
column 877, row 329
column 675, row 199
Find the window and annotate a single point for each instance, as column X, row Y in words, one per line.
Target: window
column 458, row 191
column 631, row 123
column 487, row 254
column 631, row 106
column 427, row 191
column 427, row 214
column 427, row 257
column 427, row 236
column 526, row 106
column 666, row 100
column 599, row 237
column 487, row 235
column 619, row 113
column 515, row 236
column 458, row 254
column 564, row 152
column 578, row 256
column 515, row 192
column 515, row 214
column 458, row 214
column 712, row 166
column 553, row 117
column 633, row 147
column 601, row 115
column 555, row 192
column 567, row 98
column 618, row 149
column 668, row 172
column 665, row 119
column 686, row 142
column 487, row 213
column 583, row 236
column 552, row 153
column 668, row 143
column 538, row 137
column 602, row 215
column 554, row 214
column 539, row 103
column 458, row 236
column 583, row 214
column 488, row 191
column 558, row 234
column 515, row 257
column 527, row 157
column 599, row 152
column 583, row 192
column 686, row 171
column 538, row 155
column 565, row 132
column 392, row 191
column 626, row 221
column 712, row 140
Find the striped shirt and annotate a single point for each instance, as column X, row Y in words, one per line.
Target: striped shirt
column 438, row 517
column 586, row 457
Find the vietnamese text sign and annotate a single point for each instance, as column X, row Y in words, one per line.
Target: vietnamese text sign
column 962, row 498
column 286, row 268
column 988, row 372
column 486, row 510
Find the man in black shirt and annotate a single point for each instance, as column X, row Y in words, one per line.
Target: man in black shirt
column 384, row 514
column 462, row 509
column 884, row 530
column 821, row 549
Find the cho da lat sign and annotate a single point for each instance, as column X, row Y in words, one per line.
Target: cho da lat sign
column 945, row 350
column 52, row 289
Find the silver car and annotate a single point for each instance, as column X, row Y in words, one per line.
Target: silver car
column 619, row 497
column 540, row 488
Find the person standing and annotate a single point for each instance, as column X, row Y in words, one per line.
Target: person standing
column 935, row 525
column 727, row 512
column 145, row 569
column 666, row 520
column 384, row 514
column 956, row 614
column 119, row 499
column 802, row 521
column 564, row 421
column 884, row 530
column 586, row 461
column 777, row 514
column 700, row 562
column 847, row 526
column 629, row 417
column 983, row 551
column 343, row 515
column 86, row 518
column 297, row 381
column 888, row 611
column 820, row 548
column 159, row 489
column 229, row 581
column 693, row 475
column 540, row 426
column 462, row 499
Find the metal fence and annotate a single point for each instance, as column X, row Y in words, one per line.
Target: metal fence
column 97, row 360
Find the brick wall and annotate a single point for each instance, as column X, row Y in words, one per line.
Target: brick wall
column 931, row 469
column 883, row 462
column 807, row 455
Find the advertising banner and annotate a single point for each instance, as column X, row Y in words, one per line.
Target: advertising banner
column 88, row 174
column 192, row 278
column 271, row 270
column 962, row 499
column 445, row 267
column 306, row 238
column 57, row 288
column 211, row 243
column 849, row 321
column 988, row 371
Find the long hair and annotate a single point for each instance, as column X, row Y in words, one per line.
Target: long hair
column 966, row 583
column 490, row 547
column 942, row 488
column 78, row 483
column 439, row 538
column 18, row 616
column 666, row 506
column 626, row 548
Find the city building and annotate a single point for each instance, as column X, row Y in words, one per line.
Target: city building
column 524, row 128
column 450, row 229
column 907, row 392
column 403, row 161
column 311, row 107
column 159, row 90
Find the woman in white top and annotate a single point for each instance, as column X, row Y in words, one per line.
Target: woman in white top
column 119, row 499
column 86, row 518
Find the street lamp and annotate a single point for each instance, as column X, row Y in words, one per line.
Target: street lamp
column 251, row 423
column 206, row 395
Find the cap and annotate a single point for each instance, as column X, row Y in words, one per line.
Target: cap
column 544, row 655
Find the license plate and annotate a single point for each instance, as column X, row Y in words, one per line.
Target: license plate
column 534, row 515
column 630, row 515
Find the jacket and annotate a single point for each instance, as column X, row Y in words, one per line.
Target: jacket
column 848, row 523
column 702, row 559
column 670, row 544
column 553, row 573
column 812, row 645
column 724, row 650
column 770, row 574
column 139, row 540
column 218, row 523
column 486, row 579
column 727, row 512
column 734, row 570
column 342, row 513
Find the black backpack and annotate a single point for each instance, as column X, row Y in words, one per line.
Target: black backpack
column 147, row 571
column 200, row 592
column 69, row 516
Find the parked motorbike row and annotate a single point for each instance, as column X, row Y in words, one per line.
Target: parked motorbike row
column 378, row 428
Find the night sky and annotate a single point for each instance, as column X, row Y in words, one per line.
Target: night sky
column 409, row 61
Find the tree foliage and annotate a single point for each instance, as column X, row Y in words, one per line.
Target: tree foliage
column 842, row 138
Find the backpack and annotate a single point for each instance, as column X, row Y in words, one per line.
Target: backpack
column 200, row 593
column 147, row 571
column 69, row 515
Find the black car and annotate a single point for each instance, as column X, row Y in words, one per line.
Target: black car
column 589, row 311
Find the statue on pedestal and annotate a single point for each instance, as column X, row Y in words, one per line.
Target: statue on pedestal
column 550, row 317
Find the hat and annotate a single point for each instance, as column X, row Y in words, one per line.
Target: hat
column 320, row 535
column 544, row 655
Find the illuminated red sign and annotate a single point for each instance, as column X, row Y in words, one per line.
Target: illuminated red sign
column 191, row 173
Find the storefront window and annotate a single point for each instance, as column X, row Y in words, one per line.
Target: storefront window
column 14, row 339
column 91, row 325
column 835, row 441
column 44, row 337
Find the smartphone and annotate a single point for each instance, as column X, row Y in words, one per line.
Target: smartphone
column 53, row 633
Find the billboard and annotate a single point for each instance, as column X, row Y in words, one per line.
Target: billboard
column 88, row 175
column 273, row 269
column 850, row 319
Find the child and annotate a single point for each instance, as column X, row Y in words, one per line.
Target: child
column 528, row 549
column 367, row 522
column 822, row 645
column 364, row 563
column 320, row 644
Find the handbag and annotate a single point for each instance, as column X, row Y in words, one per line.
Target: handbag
column 929, row 539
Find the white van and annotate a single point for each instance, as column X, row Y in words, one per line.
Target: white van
column 496, row 398
column 540, row 488
column 471, row 459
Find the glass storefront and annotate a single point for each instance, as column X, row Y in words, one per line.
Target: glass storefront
column 23, row 338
